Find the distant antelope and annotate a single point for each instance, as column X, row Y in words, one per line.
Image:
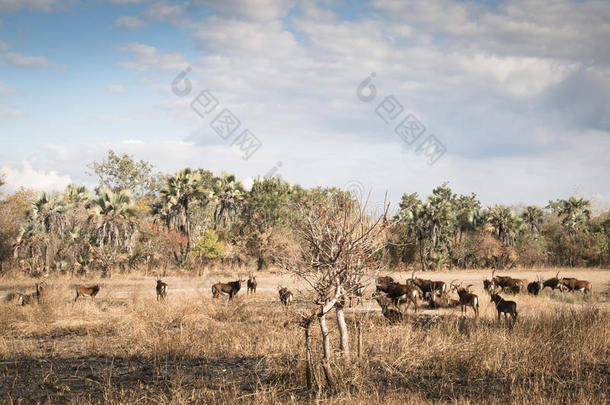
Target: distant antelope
column 400, row 293
column 506, row 307
column 41, row 290
column 467, row 299
column 553, row 283
column 90, row 291
column 388, row 309
column 285, row 296
column 534, row 287
column 161, row 290
column 26, row 299
column 231, row 289
column 427, row 286
column 251, row 284
column 573, row 284
column 507, row 283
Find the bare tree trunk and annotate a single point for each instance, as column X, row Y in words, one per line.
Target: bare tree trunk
column 359, row 328
column 308, row 367
column 326, row 349
column 343, row 332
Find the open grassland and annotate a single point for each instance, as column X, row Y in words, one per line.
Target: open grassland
column 125, row 347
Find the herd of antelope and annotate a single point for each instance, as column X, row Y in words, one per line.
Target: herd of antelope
column 393, row 297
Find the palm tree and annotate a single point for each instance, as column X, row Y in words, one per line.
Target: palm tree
column 574, row 213
column 506, row 224
column 179, row 192
column 228, row 194
column 49, row 211
column 532, row 217
column 112, row 226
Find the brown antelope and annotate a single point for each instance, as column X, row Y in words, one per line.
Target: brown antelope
column 388, row 309
column 442, row 301
column 251, row 284
column 553, row 283
column 488, row 285
column 285, row 296
column 506, row 307
column 90, row 291
column 573, row 284
column 161, row 290
column 385, row 280
column 231, row 289
column 400, row 293
column 507, row 283
column 467, row 299
column 427, row 286
column 41, row 290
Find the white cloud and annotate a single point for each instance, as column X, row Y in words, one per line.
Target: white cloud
column 9, row 112
column 24, row 175
column 23, row 61
column 258, row 10
column 116, row 88
column 146, row 57
column 129, row 22
column 32, row 5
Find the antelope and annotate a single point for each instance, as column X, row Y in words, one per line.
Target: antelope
column 285, row 296
column 573, row 284
column 513, row 285
column 388, row 309
column 427, row 286
column 442, row 301
column 534, row 287
column 251, row 284
column 161, row 290
column 41, row 290
column 467, row 299
column 231, row 289
column 385, row 280
column 488, row 285
column 400, row 293
column 553, row 283
column 506, row 307
column 26, row 299
column 87, row 291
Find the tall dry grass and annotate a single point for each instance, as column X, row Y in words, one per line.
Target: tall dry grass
column 130, row 348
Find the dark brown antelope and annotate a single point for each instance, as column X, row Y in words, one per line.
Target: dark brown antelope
column 251, row 284
column 507, row 283
column 385, row 280
column 285, row 296
column 534, row 287
column 161, row 290
column 467, row 299
column 427, row 286
column 388, row 309
column 506, row 307
column 553, row 283
column 573, row 284
column 400, row 293
column 90, row 291
column 231, row 289
column 488, row 285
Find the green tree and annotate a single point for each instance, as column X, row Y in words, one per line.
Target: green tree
column 228, row 196
column 123, row 172
column 532, row 217
column 113, row 227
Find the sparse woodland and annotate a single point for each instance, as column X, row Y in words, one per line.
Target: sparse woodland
column 138, row 219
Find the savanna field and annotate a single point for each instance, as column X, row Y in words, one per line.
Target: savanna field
column 125, row 346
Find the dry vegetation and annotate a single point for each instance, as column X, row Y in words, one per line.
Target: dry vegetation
column 126, row 347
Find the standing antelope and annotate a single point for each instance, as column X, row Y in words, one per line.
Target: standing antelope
column 534, row 287
column 41, row 290
column 87, row 291
column 251, row 284
column 161, row 290
column 467, row 299
column 285, row 296
column 573, row 284
column 427, row 286
column 553, row 283
column 506, row 307
column 400, row 293
column 231, row 289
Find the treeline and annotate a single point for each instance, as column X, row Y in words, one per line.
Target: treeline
column 136, row 218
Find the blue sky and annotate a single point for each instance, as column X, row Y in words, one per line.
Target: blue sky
column 516, row 92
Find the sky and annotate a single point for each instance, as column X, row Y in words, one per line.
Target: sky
column 507, row 99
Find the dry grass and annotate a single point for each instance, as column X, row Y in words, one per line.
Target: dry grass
column 125, row 347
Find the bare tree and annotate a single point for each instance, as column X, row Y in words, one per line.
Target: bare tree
column 337, row 246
